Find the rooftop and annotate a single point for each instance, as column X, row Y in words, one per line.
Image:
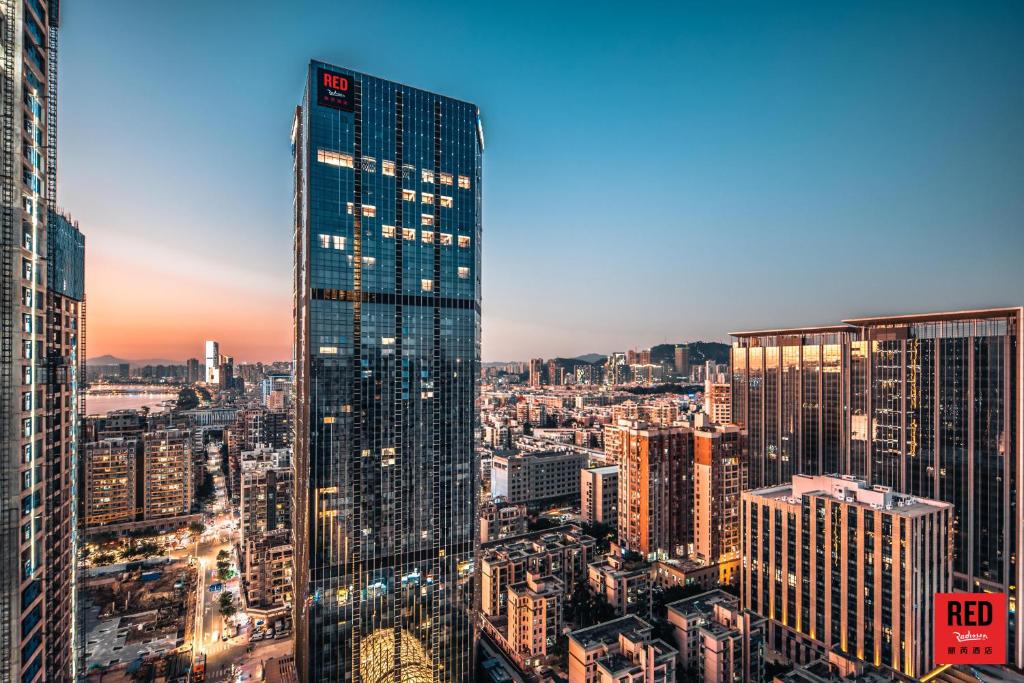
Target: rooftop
column 853, row 491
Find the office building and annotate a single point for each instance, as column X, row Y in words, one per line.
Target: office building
column 111, row 482
column 387, row 332
column 167, row 474
column 41, row 312
column 835, row 563
column 655, row 515
column 537, row 479
column 682, row 360
column 624, row 650
column 929, row 404
column 212, row 363
column 718, row 642
column 599, row 495
column 719, row 474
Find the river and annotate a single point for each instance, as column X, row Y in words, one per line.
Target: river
column 101, row 404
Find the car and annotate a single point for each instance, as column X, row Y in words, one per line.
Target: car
column 258, row 636
column 216, row 587
column 282, row 634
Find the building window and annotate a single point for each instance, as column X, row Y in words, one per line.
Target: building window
column 387, row 167
column 368, row 164
column 464, row 241
column 332, row 242
column 446, row 239
column 446, row 178
column 369, row 261
column 427, row 236
column 464, row 182
column 428, row 176
column 427, row 219
column 331, row 158
column 408, row 233
column 427, row 285
column 427, row 198
column 349, row 207
column 408, row 195
column 464, row 272
column 387, row 231
column 369, row 210
column 446, row 202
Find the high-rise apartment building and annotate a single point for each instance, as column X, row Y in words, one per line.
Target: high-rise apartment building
column 929, row 404
column 38, row 361
column 167, row 487
column 655, row 515
column 718, row 642
column 110, row 473
column 682, row 360
column 536, row 371
column 266, row 498
column 599, row 495
column 718, row 401
column 212, row 362
column 834, row 563
column 719, row 475
column 387, row 347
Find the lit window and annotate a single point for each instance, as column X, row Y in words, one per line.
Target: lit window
column 338, row 242
column 326, row 156
column 464, row 272
column 408, row 233
column 428, row 176
column 427, row 197
column 446, row 178
column 446, row 239
column 329, row 349
column 387, row 167
column 427, row 236
column 369, row 260
column 446, row 202
column 427, row 285
column 387, row 231
column 325, row 241
column 369, row 210
column 463, row 241
column 348, row 207
column 426, row 219
column 409, row 195
column 464, row 182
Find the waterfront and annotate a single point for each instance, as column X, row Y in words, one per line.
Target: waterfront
column 101, row 403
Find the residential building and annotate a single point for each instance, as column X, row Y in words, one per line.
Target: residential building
column 719, row 475
column 655, row 515
column 500, row 519
column 536, row 479
column 717, row 641
column 266, row 497
column 387, row 330
column 268, row 573
column 682, row 360
column 718, row 401
column 39, row 371
column 624, row 584
column 536, row 371
column 111, row 482
column 928, row 404
column 534, row 616
column 624, row 650
column 212, row 363
column 599, row 495
column 563, row 553
column 167, row 474
column 835, row 563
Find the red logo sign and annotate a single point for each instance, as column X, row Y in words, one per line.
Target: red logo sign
column 970, row 628
column 333, row 90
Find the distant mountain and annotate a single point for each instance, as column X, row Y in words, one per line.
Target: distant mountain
column 591, row 358
column 107, row 359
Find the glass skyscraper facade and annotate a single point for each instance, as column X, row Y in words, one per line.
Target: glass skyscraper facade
column 387, row 351
column 929, row 405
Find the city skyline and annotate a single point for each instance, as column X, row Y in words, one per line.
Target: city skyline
column 849, row 133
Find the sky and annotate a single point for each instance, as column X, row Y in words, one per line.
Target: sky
column 653, row 173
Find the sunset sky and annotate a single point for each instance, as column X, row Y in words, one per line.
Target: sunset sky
column 666, row 174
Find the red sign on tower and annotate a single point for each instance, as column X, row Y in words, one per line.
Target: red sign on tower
column 970, row 628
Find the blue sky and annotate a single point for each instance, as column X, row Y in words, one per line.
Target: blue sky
column 653, row 172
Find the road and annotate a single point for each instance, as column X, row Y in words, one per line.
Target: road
column 228, row 660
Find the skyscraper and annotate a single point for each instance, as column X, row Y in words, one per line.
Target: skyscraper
column 387, row 348
column 212, row 362
column 929, row 404
column 37, row 441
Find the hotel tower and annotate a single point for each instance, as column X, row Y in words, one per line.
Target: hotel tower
column 927, row 404
column 387, row 351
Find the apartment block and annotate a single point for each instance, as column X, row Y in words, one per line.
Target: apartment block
column 500, row 519
column 111, row 469
column 719, row 475
column 624, row 650
column 599, row 495
column 534, row 616
column 167, row 474
column 268, row 573
column 538, row 478
column 718, row 642
column 624, row 584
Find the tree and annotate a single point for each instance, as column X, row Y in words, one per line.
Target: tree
column 197, row 527
column 187, row 399
column 227, row 605
column 223, row 555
